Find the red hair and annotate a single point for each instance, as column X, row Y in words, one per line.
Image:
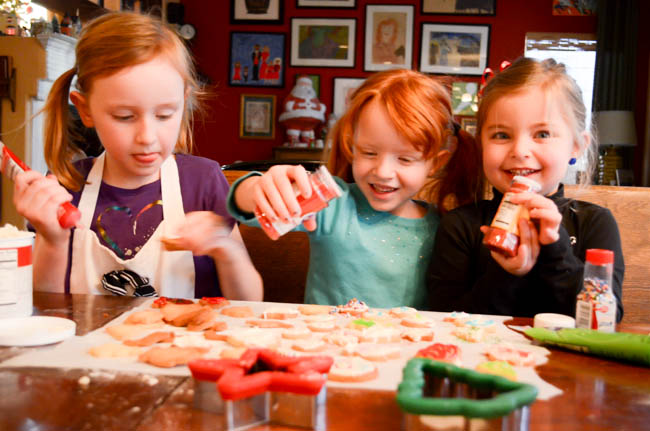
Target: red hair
column 420, row 109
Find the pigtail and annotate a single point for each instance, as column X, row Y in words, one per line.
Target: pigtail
column 59, row 149
column 460, row 182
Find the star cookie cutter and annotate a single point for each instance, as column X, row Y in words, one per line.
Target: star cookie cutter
column 437, row 395
column 263, row 386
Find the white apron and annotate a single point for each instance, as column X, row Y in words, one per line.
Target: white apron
column 171, row 273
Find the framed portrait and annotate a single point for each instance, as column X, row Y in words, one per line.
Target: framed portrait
column 256, row 11
column 323, row 42
column 315, row 81
column 257, row 116
column 459, row 7
column 256, row 59
column 326, row 3
column 389, row 37
column 454, row 49
column 468, row 124
column 343, row 90
column 464, row 98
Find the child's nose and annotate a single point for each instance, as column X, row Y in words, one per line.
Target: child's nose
column 520, row 147
column 384, row 168
column 146, row 131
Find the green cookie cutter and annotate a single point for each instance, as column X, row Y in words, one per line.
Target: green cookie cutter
column 432, row 387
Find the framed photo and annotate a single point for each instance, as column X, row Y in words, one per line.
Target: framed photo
column 326, row 3
column 459, row 7
column 389, row 37
column 343, row 89
column 454, row 49
column 464, row 98
column 256, row 59
column 315, row 81
column 323, row 42
column 257, row 116
column 574, row 8
column 256, row 12
column 468, row 124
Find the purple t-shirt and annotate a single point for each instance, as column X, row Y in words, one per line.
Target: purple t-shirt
column 124, row 219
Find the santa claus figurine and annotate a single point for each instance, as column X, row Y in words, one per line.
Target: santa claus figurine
column 302, row 114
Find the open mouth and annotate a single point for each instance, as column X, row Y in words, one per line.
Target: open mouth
column 146, row 158
column 522, row 172
column 378, row 188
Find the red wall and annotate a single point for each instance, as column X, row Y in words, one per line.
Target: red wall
column 217, row 136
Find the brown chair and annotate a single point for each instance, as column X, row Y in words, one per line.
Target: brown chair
column 283, row 264
column 631, row 208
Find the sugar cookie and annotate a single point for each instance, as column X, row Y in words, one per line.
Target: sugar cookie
column 378, row 353
column 214, row 301
column 309, row 345
column 280, row 313
column 417, row 334
column 473, row 334
column 151, row 339
column 403, row 312
column 512, row 355
column 417, row 320
column 296, row 333
column 379, row 334
column 352, row 369
column 167, row 357
column 144, row 317
column 441, row 352
column 313, row 309
column 238, row 311
column 263, row 323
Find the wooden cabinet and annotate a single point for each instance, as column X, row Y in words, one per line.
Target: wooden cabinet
column 292, row 153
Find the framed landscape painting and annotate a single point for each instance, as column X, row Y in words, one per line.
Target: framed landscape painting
column 323, row 42
column 453, row 49
column 389, row 37
column 256, row 59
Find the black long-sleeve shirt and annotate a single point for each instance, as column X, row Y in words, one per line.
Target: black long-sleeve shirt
column 463, row 276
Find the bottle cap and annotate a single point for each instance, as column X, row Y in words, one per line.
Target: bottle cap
column 600, row 257
column 533, row 185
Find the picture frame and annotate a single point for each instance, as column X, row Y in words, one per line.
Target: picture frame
column 315, row 81
column 257, row 116
column 256, row 12
column 327, row 3
column 459, row 7
column 343, row 89
column 561, row 8
column 389, row 37
column 323, row 42
column 464, row 98
column 256, row 59
column 454, row 49
column 468, row 124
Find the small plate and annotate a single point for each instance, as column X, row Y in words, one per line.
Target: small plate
column 35, row 330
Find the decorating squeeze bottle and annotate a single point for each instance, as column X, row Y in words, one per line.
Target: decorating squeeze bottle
column 503, row 234
column 323, row 190
column 10, row 165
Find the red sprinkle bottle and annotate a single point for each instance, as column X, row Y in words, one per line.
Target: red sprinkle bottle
column 503, row 233
column 323, row 190
column 596, row 304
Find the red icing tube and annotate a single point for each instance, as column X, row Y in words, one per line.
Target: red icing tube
column 324, row 189
column 503, row 234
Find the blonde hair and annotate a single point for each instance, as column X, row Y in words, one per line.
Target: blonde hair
column 107, row 45
column 553, row 79
column 420, row 109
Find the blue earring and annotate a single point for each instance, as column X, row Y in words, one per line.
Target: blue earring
column 572, row 161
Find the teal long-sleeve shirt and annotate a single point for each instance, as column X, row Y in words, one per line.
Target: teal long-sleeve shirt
column 357, row 252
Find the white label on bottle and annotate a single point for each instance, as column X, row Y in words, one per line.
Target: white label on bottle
column 8, row 266
column 506, row 215
column 598, row 315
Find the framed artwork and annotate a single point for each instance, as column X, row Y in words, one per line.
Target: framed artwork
column 256, row 59
column 389, row 37
column 326, row 3
column 459, row 7
column 464, row 98
column 468, row 124
column 315, row 81
column 574, row 8
column 256, row 11
column 454, row 49
column 257, row 116
column 323, row 42
column 343, row 90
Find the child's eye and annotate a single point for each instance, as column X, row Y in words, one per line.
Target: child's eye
column 499, row 135
column 544, row 134
column 164, row 116
column 123, row 117
column 406, row 160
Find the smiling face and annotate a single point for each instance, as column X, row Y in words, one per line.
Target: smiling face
column 528, row 133
column 386, row 167
column 137, row 113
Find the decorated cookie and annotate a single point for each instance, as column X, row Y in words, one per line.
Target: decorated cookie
column 151, row 339
column 514, row 356
column 309, row 345
column 380, row 335
column 354, row 307
column 417, row 320
column 214, row 301
column 280, row 313
column 378, row 353
column 319, row 318
column 163, row 300
column 361, row 324
column 322, row 326
column 238, row 311
column 267, row 323
column 179, row 313
column 341, row 338
column 498, row 368
column 457, row 318
column 441, row 352
column 417, row 334
column 252, row 337
column 473, row 334
column 352, row 369
column 313, row 309
column 403, row 312
column 144, row 317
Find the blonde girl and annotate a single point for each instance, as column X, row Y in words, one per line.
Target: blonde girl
column 136, row 86
column 531, row 122
column 374, row 242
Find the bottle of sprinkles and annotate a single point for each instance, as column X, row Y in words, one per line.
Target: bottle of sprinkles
column 596, row 303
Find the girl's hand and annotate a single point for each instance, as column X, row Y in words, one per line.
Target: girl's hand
column 202, row 233
column 527, row 254
column 37, row 198
column 274, row 193
column 545, row 212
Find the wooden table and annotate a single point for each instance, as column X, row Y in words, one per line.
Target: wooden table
column 599, row 394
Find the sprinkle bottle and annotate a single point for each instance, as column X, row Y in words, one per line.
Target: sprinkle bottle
column 503, row 234
column 596, row 304
column 323, row 190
